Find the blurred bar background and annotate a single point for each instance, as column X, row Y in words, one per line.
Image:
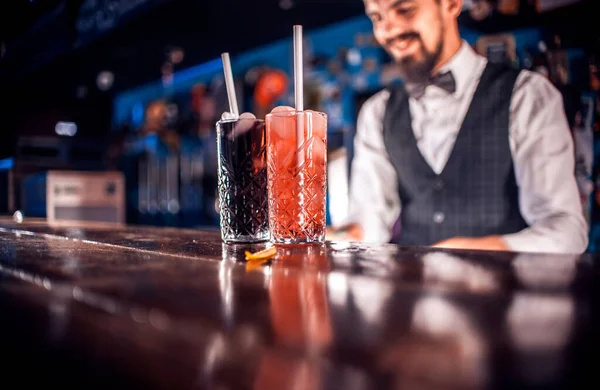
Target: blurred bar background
column 135, row 87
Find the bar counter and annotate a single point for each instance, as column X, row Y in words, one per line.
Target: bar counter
column 159, row 308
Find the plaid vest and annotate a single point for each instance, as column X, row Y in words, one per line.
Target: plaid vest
column 476, row 194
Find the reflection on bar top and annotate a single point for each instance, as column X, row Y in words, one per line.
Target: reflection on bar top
column 341, row 315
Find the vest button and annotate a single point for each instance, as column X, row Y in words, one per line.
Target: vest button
column 438, row 217
column 438, row 185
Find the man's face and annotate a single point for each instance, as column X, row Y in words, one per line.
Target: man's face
column 412, row 31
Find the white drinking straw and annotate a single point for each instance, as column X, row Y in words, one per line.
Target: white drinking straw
column 299, row 91
column 233, row 107
column 298, row 69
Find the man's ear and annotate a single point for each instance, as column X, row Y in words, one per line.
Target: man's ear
column 453, row 7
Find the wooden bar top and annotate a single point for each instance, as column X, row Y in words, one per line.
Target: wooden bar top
column 112, row 307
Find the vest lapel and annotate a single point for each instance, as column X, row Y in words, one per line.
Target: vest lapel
column 400, row 139
column 472, row 125
column 401, row 132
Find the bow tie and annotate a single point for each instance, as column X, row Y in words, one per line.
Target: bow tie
column 444, row 81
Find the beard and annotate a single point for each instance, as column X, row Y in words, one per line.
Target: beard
column 417, row 68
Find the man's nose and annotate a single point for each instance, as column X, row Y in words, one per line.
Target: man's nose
column 391, row 28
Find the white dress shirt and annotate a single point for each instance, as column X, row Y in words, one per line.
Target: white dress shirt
column 540, row 142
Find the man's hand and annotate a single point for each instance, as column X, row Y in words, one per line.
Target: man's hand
column 352, row 232
column 489, row 243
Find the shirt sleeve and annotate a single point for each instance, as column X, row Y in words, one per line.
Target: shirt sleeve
column 374, row 201
column 543, row 155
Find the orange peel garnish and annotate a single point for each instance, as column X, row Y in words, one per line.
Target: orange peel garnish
column 256, row 264
column 263, row 255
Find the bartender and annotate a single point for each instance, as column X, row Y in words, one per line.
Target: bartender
column 465, row 153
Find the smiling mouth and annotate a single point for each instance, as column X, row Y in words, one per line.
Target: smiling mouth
column 402, row 43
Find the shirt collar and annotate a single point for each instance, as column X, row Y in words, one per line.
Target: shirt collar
column 463, row 66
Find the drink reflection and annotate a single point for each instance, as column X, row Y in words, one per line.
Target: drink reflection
column 301, row 320
column 540, row 328
column 545, row 272
column 444, row 349
column 446, row 270
column 231, row 255
column 299, row 305
column 226, row 292
column 540, row 321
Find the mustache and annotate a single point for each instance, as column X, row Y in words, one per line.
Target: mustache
column 406, row 35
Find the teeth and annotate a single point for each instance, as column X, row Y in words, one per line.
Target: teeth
column 403, row 44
